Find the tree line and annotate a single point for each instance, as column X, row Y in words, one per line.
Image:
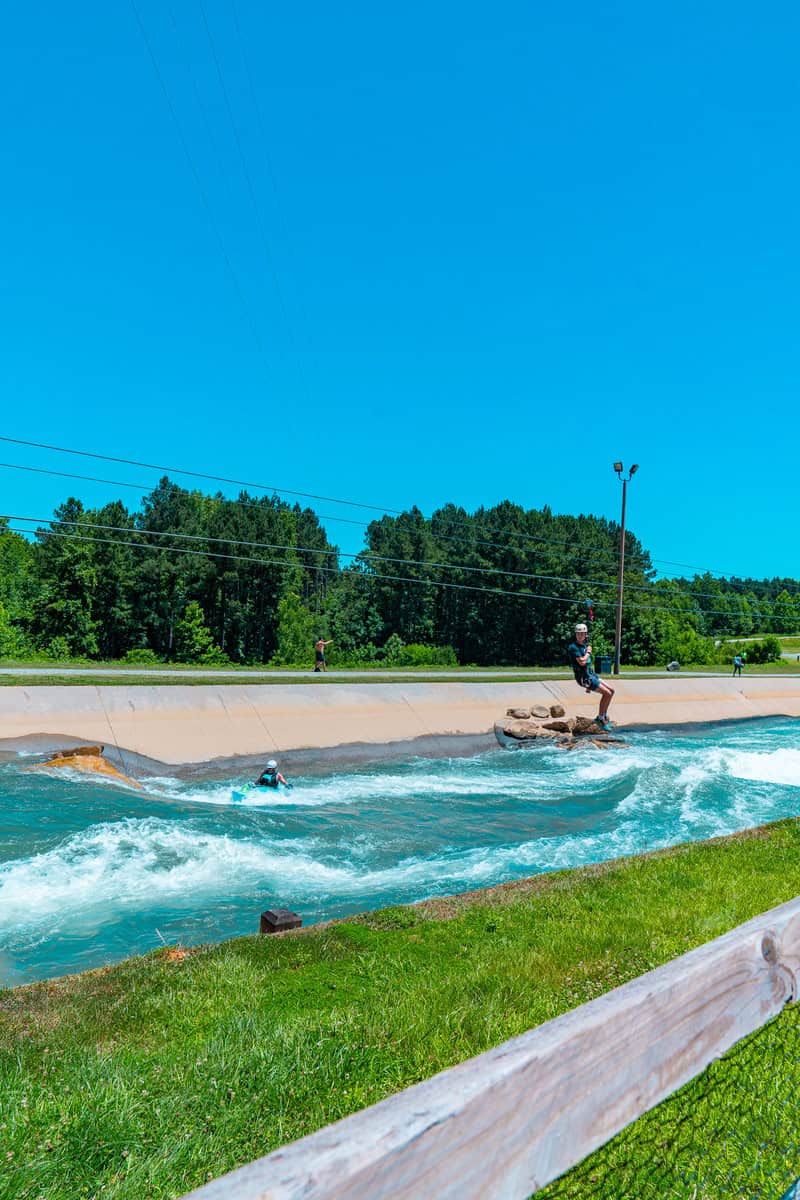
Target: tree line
column 192, row 577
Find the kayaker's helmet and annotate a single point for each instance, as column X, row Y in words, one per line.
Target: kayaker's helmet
column 581, row 628
column 272, row 765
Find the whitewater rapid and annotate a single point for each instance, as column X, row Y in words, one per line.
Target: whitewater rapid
column 91, row 872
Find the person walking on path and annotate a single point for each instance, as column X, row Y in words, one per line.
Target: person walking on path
column 319, row 653
column 580, row 656
column 738, row 663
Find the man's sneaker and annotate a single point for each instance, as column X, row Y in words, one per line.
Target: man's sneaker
column 604, row 723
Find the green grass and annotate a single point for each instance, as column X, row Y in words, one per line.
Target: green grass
column 731, row 1132
column 143, row 1079
column 177, row 675
column 133, row 680
column 783, row 666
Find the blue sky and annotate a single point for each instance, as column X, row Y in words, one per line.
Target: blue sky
column 492, row 249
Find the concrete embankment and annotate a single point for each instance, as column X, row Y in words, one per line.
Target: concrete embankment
column 196, row 724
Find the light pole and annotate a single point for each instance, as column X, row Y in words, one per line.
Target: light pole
column 618, row 467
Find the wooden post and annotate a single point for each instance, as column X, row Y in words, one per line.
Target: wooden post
column 508, row 1122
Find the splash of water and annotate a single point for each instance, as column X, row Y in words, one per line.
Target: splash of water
column 88, row 872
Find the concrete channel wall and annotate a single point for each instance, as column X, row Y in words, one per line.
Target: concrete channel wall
column 182, row 724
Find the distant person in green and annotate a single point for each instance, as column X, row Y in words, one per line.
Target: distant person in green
column 738, row 663
column 319, row 653
column 580, row 657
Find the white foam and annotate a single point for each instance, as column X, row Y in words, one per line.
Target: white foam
column 139, row 863
column 776, row 766
column 121, row 867
column 354, row 789
column 609, row 764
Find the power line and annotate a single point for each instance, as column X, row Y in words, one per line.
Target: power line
column 199, row 183
column 472, row 541
column 464, row 587
column 307, row 495
column 366, row 555
column 275, row 489
column 251, row 190
column 363, row 557
column 265, row 145
column 132, row 462
column 335, row 570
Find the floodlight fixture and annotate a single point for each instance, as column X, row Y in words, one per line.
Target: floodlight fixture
column 634, row 469
column 618, row 467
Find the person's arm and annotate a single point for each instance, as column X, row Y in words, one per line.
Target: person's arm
column 282, row 780
column 583, row 659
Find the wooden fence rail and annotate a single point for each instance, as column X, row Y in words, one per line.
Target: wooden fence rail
column 508, row 1122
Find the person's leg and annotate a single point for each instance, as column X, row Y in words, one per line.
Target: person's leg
column 606, row 696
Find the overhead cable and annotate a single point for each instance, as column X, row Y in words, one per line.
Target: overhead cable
column 574, row 602
column 603, row 556
column 363, row 556
column 199, row 184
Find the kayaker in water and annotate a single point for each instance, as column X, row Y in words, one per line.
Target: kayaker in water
column 271, row 776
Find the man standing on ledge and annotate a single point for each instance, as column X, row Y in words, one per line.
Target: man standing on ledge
column 580, row 657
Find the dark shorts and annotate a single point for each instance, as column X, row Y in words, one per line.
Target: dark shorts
column 591, row 681
column 320, row 656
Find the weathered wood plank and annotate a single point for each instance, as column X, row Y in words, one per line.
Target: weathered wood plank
column 509, row 1121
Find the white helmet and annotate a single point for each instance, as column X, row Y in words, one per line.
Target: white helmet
column 581, row 628
column 272, row 765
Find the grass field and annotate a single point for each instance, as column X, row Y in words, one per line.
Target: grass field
column 177, row 675
column 147, row 1078
column 185, row 679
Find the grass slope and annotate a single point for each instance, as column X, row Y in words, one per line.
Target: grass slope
column 489, row 675
column 147, row 1078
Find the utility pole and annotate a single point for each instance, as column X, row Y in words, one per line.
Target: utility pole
column 618, row 467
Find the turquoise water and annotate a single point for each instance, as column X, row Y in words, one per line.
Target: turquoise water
column 91, row 872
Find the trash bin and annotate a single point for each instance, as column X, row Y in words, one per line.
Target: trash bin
column 602, row 664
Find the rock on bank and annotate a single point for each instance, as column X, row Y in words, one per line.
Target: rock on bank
column 182, row 724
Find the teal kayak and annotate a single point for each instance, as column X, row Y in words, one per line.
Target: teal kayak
column 252, row 789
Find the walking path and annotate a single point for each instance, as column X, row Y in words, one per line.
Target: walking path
column 184, row 724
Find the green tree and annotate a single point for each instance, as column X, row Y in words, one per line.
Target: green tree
column 194, row 641
column 12, row 642
column 68, row 580
column 298, row 629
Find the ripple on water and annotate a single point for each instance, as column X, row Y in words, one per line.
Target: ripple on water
column 89, row 872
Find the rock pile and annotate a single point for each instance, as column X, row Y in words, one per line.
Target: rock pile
column 525, row 725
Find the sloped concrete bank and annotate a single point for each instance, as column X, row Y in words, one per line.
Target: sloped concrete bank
column 197, row 724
